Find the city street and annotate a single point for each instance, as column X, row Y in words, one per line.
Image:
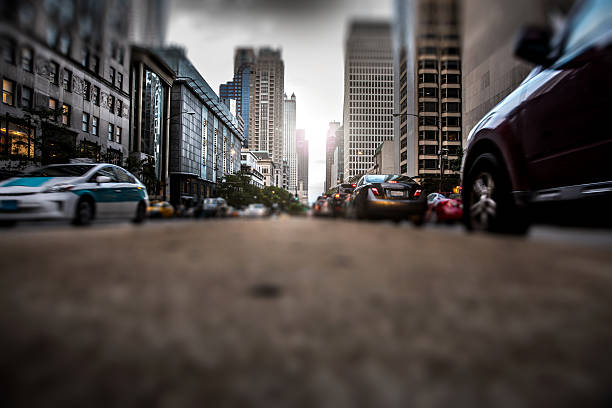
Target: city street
column 303, row 312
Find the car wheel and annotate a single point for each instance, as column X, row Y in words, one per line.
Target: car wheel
column 84, row 212
column 488, row 199
column 418, row 221
column 141, row 213
column 7, row 223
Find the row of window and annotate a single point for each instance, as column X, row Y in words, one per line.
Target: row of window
column 429, row 92
column 433, row 64
column 8, row 49
column 447, row 107
column 444, row 78
column 435, row 50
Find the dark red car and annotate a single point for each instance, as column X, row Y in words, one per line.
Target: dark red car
column 549, row 143
column 447, row 210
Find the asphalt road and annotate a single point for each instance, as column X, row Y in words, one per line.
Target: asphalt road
column 305, row 313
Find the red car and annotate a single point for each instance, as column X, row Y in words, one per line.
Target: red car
column 546, row 148
column 448, row 210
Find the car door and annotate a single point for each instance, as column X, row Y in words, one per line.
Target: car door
column 104, row 193
column 564, row 130
column 128, row 193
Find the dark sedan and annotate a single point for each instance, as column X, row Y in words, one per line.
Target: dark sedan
column 388, row 196
column 339, row 198
column 546, row 148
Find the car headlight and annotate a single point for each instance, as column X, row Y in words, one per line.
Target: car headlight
column 59, row 188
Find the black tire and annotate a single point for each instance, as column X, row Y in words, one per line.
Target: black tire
column 141, row 213
column 7, row 223
column 84, row 212
column 487, row 199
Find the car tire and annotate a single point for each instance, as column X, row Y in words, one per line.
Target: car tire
column 418, row 221
column 7, row 223
column 488, row 199
column 84, row 212
column 141, row 213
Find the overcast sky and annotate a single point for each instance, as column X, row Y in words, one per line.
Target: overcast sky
column 311, row 35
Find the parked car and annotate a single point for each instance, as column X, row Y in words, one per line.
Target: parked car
column 434, row 198
column 448, row 210
column 339, row 197
column 256, row 211
column 160, row 209
column 321, row 206
column 547, row 143
column 212, row 207
column 76, row 192
column 388, row 196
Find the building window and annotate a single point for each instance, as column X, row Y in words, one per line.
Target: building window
column 112, row 75
column 26, row 97
column 95, row 64
column 64, row 44
column 114, row 157
column 94, row 125
column 111, row 103
column 52, row 107
column 66, row 114
column 89, row 150
column 27, row 59
column 7, row 48
column 119, row 80
column 8, row 92
column 119, row 107
column 404, row 168
column 16, row 139
column 120, row 53
column 111, row 131
column 117, row 134
column 67, row 80
column 85, row 57
column 86, row 90
column 85, row 123
column 96, row 95
column 54, row 73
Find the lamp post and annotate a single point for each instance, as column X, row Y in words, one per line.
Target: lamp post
column 441, row 150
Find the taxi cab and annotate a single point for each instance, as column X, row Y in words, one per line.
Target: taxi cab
column 76, row 192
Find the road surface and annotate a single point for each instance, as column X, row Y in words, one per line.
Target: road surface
column 302, row 313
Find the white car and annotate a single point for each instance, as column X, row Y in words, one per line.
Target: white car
column 76, row 192
column 255, row 211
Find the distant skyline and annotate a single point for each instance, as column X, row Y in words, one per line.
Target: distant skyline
column 311, row 35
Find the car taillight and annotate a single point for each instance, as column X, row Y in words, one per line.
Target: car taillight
column 392, row 181
column 354, row 185
column 375, row 191
column 337, row 196
column 417, row 193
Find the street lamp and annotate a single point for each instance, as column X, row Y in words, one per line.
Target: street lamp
column 441, row 150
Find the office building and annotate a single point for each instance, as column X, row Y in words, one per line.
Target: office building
column 239, row 88
column 289, row 152
column 249, row 167
column 330, row 146
column 205, row 140
column 339, row 156
column 368, row 94
column 302, row 165
column 428, row 88
column 65, row 88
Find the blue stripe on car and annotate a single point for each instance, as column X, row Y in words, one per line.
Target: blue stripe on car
column 109, row 195
column 27, row 182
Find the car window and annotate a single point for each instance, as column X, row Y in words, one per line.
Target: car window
column 104, row 171
column 123, row 176
column 70, row 170
column 591, row 20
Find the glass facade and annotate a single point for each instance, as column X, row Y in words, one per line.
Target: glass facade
column 152, row 112
column 191, row 143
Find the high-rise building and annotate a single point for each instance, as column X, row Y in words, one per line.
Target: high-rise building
column 238, row 89
column 330, row 146
column 148, row 22
column 302, row 165
column 428, row 88
column 65, row 82
column 266, row 108
column 290, row 153
column 339, row 155
column 368, row 94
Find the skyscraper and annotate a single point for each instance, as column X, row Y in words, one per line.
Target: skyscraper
column 428, row 85
column 238, row 88
column 368, row 94
column 302, row 165
column 330, row 146
column 290, row 154
column 266, row 107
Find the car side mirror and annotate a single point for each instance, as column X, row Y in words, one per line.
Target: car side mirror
column 533, row 45
column 103, row 179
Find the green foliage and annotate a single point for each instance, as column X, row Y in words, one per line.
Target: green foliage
column 239, row 193
column 144, row 169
